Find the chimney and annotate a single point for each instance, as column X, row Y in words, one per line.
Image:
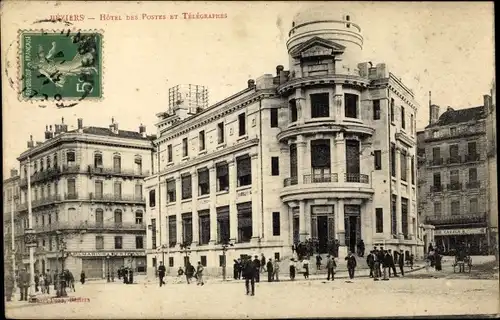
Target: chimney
column 434, row 114
column 142, row 130
column 80, row 124
column 13, row 173
column 62, row 120
column 279, row 69
column 251, row 83
column 30, row 142
column 47, row 133
column 486, row 103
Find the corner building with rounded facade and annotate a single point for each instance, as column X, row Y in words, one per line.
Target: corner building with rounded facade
column 322, row 151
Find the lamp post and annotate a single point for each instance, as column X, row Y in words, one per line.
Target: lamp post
column 61, row 292
column 107, row 266
column 225, row 245
column 186, row 250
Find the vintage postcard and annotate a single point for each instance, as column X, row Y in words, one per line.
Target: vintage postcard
column 244, row 159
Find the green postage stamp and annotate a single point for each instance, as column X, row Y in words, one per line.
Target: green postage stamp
column 60, row 65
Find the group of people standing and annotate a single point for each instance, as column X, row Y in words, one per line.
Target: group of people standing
column 126, row 273
column 381, row 262
column 189, row 271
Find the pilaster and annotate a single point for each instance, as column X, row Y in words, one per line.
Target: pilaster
column 301, row 154
column 256, row 191
column 213, row 204
column 178, row 214
column 302, row 221
column 194, row 215
column 399, row 222
column 340, row 156
column 233, row 210
column 340, row 222
column 338, row 102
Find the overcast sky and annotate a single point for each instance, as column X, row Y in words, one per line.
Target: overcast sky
column 443, row 47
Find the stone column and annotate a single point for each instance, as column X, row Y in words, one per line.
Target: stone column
column 284, row 162
column 301, row 154
column 340, row 222
column 340, row 156
column 194, row 214
column 339, row 103
column 256, row 203
column 302, row 221
column 213, row 205
column 301, row 105
column 233, row 210
column 399, row 222
column 178, row 214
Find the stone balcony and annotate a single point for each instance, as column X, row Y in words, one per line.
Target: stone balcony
column 479, row 217
column 110, row 171
column 324, row 79
column 91, row 226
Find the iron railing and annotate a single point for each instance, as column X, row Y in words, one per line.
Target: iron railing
column 436, row 162
column 453, row 160
column 290, row 181
column 321, row 178
column 327, row 178
column 357, row 177
column 454, row 186
column 116, row 197
column 436, row 188
column 94, row 225
column 473, row 184
column 97, row 170
column 479, row 217
column 472, row 157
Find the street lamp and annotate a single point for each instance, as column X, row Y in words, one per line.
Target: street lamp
column 186, row 250
column 225, row 245
column 61, row 292
column 107, row 263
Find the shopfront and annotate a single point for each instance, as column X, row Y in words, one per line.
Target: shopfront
column 96, row 264
column 474, row 239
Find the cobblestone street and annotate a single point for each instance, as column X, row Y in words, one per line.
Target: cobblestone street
column 311, row 299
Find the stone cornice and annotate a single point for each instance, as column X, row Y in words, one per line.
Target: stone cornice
column 215, row 114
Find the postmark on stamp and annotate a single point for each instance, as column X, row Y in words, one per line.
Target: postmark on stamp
column 62, row 65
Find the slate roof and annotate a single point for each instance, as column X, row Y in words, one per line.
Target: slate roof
column 107, row 132
column 459, row 116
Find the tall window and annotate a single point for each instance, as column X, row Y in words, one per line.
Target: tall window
column 138, row 191
column 118, row 242
column 35, row 166
column 454, row 153
column 276, row 224
column 379, row 220
column 204, row 227
column 138, row 165
column 185, row 147
column 242, row 126
column 455, row 207
column 170, row 155
column 436, row 178
column 454, row 177
column 352, row 160
column 274, row 117
column 320, row 105
column 275, row 166
column 402, row 158
column 473, row 206
column 321, row 159
column 472, row 174
column 187, row 228
column 186, row 186
column 172, row 231
column 394, row 219
column 436, row 155
column 293, row 162
column 244, row 170
column 117, row 164
column 70, row 158
column 244, row 222
column 71, row 189
column 201, row 139
column 404, row 215
column 412, row 127
column 223, row 224
column 377, row 156
column 55, row 160
column 293, row 110
column 412, row 169
column 393, row 160
column 118, row 216
column 222, row 173
column 171, row 190
column 472, row 148
column 203, row 182
column 152, row 198
column 153, row 233
column 98, row 189
column 98, row 160
column 351, row 105
column 117, row 188
column 139, row 217
column 437, row 208
column 392, row 109
column 220, row 132
column 139, row 242
column 99, row 242
column 403, row 118
column 376, row 109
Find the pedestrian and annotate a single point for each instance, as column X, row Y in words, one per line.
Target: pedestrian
column 262, row 263
column 124, row 275
column 401, row 262
column 42, row 282
column 276, row 269
column 257, row 265
column 412, row 258
column 161, row 273
column 236, row 268
column 24, row 283
column 330, row 266
column 336, row 246
column 292, row 269
column 199, row 274
column 351, row 264
column 318, row 262
column 392, row 264
column 305, row 266
column 386, row 263
column 82, row 277
column 370, row 261
column 249, row 275
column 47, row 281
column 361, row 248
column 189, row 272
column 270, row 271
column 438, row 258
column 37, row 281
column 71, row 280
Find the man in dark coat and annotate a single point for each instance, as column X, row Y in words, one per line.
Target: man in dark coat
column 380, row 261
column 401, row 262
column 161, row 273
column 370, row 261
column 256, row 264
column 249, row 272
column 393, row 265
column 351, row 264
column 387, row 260
column 236, row 269
column 262, row 263
column 330, row 266
column 270, row 270
column 24, row 283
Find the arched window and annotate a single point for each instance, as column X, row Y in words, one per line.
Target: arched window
column 117, row 163
column 98, row 160
column 138, row 217
column 118, row 216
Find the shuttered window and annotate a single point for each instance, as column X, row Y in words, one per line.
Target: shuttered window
column 186, row 186
column 171, row 190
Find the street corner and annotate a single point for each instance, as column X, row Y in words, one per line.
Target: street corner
column 60, row 65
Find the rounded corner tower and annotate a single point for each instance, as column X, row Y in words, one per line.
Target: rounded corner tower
column 333, row 25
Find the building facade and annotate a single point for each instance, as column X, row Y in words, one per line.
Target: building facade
column 454, row 178
column 323, row 151
column 86, row 198
column 10, row 207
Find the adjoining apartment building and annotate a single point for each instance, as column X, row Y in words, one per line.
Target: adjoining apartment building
column 322, row 151
column 454, row 178
column 10, row 206
column 86, row 198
